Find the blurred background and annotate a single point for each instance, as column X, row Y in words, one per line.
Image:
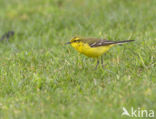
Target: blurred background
column 41, row 77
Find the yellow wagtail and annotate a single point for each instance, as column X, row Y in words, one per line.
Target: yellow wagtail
column 93, row 47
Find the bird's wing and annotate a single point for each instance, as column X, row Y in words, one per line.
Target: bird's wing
column 94, row 42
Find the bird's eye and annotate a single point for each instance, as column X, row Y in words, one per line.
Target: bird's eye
column 75, row 41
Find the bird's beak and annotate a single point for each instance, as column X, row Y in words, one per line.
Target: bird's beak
column 68, row 43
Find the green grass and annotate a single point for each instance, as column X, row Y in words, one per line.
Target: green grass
column 40, row 77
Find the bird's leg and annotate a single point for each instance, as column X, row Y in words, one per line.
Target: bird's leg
column 97, row 64
column 102, row 62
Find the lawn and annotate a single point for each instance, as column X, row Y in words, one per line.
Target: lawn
column 42, row 78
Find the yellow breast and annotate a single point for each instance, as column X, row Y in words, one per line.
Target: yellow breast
column 85, row 49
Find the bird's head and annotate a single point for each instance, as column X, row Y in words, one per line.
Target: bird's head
column 74, row 40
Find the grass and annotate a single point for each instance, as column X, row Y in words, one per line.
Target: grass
column 40, row 77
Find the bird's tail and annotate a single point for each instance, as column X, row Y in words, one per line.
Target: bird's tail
column 122, row 42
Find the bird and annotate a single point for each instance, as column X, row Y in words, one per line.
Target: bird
column 94, row 47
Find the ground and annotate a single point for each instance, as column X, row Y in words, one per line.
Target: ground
column 41, row 77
